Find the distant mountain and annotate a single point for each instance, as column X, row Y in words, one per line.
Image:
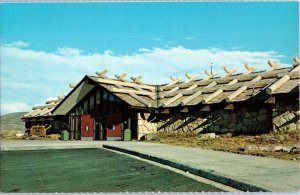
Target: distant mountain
column 12, row 122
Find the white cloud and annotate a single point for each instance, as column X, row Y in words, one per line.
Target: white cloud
column 14, row 107
column 31, row 76
column 66, row 51
column 17, row 44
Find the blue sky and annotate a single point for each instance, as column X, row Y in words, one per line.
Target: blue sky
column 44, row 46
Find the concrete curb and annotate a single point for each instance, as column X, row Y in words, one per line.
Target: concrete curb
column 199, row 172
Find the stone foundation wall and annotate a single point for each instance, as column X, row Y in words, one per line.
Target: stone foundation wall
column 241, row 121
column 286, row 116
column 145, row 126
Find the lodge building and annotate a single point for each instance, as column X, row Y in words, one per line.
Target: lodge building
column 101, row 108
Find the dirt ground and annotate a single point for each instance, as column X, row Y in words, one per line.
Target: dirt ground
column 278, row 145
column 88, row 170
column 18, row 135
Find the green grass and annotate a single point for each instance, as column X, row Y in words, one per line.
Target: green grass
column 88, row 170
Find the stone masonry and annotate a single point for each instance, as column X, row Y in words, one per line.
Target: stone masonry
column 241, row 121
column 286, row 116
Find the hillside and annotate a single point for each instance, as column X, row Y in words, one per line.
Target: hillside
column 12, row 122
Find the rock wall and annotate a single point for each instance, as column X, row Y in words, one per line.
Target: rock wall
column 286, row 116
column 240, row 121
column 145, row 126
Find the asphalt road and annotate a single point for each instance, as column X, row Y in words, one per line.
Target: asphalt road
column 88, row 170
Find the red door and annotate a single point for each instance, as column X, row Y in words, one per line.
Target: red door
column 87, row 126
column 114, row 126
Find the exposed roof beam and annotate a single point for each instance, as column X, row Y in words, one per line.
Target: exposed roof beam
column 168, row 102
column 129, row 91
column 234, row 81
column 127, row 84
column 135, row 96
column 277, row 84
column 44, row 106
column 190, row 98
column 281, row 81
column 205, row 109
column 296, row 61
column 121, row 77
column 191, row 87
column 211, row 96
column 209, row 75
column 228, row 72
column 271, row 100
column 272, row 65
column 102, row 74
column 227, row 87
column 249, row 68
column 190, row 77
column 193, row 96
column 137, row 79
column 185, row 110
column 241, row 90
column 72, row 85
column 229, row 107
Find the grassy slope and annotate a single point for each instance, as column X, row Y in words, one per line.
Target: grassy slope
column 12, row 122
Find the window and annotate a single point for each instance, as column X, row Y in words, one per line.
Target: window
column 85, row 106
column 111, row 103
column 98, row 97
column 118, row 105
column 92, row 98
column 105, row 102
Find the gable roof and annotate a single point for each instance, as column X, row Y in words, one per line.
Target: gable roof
column 44, row 110
column 210, row 90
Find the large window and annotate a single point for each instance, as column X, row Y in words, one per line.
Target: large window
column 85, row 106
column 118, row 105
column 92, row 99
column 105, row 102
column 111, row 103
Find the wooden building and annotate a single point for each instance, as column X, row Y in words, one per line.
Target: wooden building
column 101, row 108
